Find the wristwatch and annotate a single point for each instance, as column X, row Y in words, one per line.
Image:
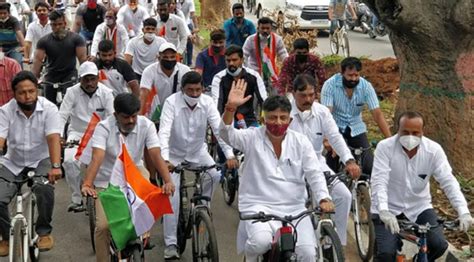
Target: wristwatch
column 56, row 165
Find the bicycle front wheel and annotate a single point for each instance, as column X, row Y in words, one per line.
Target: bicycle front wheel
column 364, row 228
column 229, row 188
column 16, row 251
column 204, row 238
column 90, row 207
column 345, row 45
column 334, row 43
column 138, row 255
column 330, row 244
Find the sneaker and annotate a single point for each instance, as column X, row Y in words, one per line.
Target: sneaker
column 76, row 208
column 171, row 252
column 4, row 248
column 45, row 243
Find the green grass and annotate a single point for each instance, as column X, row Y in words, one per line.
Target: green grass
column 197, row 4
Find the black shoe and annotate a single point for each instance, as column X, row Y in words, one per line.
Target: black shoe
column 76, row 208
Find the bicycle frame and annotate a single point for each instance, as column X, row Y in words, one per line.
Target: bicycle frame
column 26, row 224
column 420, row 241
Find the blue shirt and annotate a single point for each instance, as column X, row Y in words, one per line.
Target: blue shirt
column 210, row 64
column 237, row 36
column 348, row 111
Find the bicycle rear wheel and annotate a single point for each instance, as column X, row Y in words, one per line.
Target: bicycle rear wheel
column 204, row 238
column 16, row 251
column 363, row 226
column 90, row 206
column 345, row 45
column 330, row 244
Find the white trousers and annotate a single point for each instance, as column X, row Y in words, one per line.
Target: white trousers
column 342, row 199
column 72, row 167
column 255, row 239
column 210, row 184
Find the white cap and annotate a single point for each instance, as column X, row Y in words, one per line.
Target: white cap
column 166, row 46
column 88, row 68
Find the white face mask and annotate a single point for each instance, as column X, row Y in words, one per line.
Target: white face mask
column 235, row 73
column 2, row 55
column 149, row 37
column 191, row 101
column 410, row 142
column 4, row 20
column 305, row 115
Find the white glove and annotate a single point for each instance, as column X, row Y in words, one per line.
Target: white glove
column 390, row 221
column 465, row 222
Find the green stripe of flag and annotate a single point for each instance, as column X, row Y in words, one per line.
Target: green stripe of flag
column 117, row 211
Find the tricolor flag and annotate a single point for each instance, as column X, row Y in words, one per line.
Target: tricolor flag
column 84, row 144
column 131, row 203
column 266, row 58
column 152, row 107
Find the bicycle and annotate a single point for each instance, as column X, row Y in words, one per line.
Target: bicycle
column 417, row 234
column 339, row 39
column 195, row 220
column 230, row 180
column 211, row 142
column 23, row 237
column 59, row 87
column 285, row 239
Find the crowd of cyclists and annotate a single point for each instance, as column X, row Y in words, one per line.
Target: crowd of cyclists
column 130, row 64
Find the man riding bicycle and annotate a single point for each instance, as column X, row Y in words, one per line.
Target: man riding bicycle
column 337, row 13
column 316, row 122
column 80, row 102
column 277, row 163
column 182, row 134
column 137, row 132
column 403, row 166
column 31, row 126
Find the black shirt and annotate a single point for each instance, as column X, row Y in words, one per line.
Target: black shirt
column 8, row 30
column 247, row 109
column 60, row 54
column 91, row 17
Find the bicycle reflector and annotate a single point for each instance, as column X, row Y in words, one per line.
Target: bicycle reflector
column 286, row 230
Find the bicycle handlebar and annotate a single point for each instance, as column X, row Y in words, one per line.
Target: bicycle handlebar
column 30, row 175
column 186, row 166
column 262, row 217
column 406, row 225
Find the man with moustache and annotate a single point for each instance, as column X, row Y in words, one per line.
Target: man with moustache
column 61, row 48
column 238, row 28
column 80, row 102
column 345, row 94
column 115, row 73
column 31, row 125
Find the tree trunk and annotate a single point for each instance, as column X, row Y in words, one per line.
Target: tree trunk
column 433, row 41
column 214, row 12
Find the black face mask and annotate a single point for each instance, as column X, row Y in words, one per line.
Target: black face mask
column 301, row 58
column 216, row 49
column 26, row 107
column 164, row 18
column 167, row 64
column 349, row 83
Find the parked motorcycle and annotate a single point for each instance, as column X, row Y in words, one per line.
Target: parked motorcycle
column 364, row 16
column 377, row 28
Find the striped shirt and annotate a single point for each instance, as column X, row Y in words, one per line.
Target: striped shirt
column 348, row 111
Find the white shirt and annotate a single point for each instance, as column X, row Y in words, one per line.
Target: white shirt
column 35, row 32
column 104, row 32
column 275, row 185
column 153, row 76
column 132, row 21
column 182, row 131
column 108, row 137
column 78, row 106
column 142, row 53
column 21, row 6
column 318, row 125
column 176, row 31
column 187, row 6
column 402, row 185
column 26, row 137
